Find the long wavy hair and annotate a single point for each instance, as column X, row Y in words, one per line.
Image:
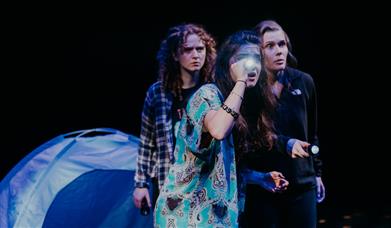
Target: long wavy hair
column 169, row 69
column 269, row 25
column 258, row 100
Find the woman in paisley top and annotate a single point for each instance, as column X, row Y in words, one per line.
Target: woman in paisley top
column 201, row 189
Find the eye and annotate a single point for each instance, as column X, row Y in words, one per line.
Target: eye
column 269, row 45
column 200, row 49
column 241, row 56
column 257, row 58
column 282, row 43
column 187, row 49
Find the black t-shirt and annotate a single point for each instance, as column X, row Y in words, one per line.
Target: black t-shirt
column 179, row 107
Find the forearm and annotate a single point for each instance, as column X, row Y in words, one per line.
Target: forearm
column 141, row 172
column 140, row 179
column 317, row 166
column 253, row 177
column 144, row 158
column 220, row 122
column 282, row 144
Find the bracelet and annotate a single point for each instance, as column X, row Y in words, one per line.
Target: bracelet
column 229, row 110
column 237, row 95
column 244, row 81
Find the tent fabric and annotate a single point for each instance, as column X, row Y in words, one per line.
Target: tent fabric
column 80, row 179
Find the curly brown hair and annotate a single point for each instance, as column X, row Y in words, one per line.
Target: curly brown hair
column 169, row 70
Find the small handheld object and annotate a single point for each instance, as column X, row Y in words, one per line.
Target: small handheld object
column 144, row 210
column 249, row 64
column 313, row 149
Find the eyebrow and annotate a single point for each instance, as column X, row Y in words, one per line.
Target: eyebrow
column 246, row 52
column 273, row 41
column 195, row 46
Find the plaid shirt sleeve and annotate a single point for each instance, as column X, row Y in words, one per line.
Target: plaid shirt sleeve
column 147, row 143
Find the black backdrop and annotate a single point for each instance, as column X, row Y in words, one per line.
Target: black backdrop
column 73, row 67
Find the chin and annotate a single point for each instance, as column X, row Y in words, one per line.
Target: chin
column 280, row 67
column 195, row 69
column 250, row 85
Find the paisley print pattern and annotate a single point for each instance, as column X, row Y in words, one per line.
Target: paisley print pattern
column 201, row 187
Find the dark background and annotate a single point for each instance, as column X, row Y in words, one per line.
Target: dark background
column 79, row 67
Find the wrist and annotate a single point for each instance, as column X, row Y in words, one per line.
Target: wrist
column 141, row 185
column 289, row 145
column 261, row 177
column 243, row 81
column 237, row 94
column 230, row 111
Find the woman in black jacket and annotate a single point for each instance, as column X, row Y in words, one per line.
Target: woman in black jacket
column 296, row 124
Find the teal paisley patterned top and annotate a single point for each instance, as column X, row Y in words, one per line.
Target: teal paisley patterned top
column 201, row 187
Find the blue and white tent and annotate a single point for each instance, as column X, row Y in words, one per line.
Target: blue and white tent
column 79, row 179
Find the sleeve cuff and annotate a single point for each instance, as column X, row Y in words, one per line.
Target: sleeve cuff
column 289, row 145
column 141, row 185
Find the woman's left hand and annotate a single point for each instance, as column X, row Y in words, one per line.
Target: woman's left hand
column 274, row 182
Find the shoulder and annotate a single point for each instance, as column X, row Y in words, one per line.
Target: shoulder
column 155, row 87
column 155, row 93
column 156, row 90
column 208, row 90
column 206, row 96
column 293, row 72
column 298, row 74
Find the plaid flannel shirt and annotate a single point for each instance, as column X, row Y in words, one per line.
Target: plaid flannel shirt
column 156, row 138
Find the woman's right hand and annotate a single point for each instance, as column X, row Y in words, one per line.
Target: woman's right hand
column 139, row 194
column 238, row 72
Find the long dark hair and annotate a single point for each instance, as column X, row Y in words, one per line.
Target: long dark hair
column 169, row 69
column 269, row 25
column 260, row 98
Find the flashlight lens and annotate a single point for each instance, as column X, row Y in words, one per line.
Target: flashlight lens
column 249, row 64
column 314, row 149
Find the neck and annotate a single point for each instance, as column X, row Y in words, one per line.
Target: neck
column 189, row 79
column 276, row 86
column 271, row 76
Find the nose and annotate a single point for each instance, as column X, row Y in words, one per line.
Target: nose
column 278, row 50
column 195, row 54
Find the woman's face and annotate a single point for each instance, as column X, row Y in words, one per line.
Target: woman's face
column 275, row 50
column 191, row 56
column 250, row 55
